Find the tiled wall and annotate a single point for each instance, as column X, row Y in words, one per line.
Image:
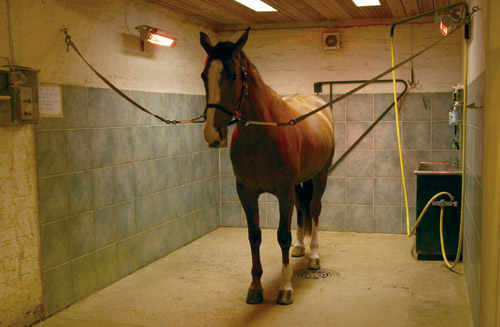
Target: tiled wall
column 119, row 189
column 364, row 193
column 474, row 196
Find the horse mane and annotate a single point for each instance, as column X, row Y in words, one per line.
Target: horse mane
column 244, row 59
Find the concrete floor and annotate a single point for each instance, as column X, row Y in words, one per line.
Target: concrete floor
column 205, row 284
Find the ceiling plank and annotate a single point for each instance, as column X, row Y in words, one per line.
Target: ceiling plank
column 383, row 11
column 334, row 7
column 323, row 9
column 440, row 3
column 334, row 13
column 396, row 8
column 316, row 24
column 369, row 12
column 187, row 9
column 308, row 10
column 351, row 8
column 222, row 11
column 411, row 7
column 293, row 12
column 425, row 5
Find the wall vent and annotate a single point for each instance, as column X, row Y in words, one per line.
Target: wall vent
column 331, row 41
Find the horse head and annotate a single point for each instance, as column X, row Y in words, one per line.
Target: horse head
column 225, row 82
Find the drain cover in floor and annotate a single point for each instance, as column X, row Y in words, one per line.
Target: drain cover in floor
column 316, row 274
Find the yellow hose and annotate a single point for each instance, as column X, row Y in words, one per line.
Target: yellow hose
column 464, row 116
column 441, row 235
column 399, row 139
column 427, row 207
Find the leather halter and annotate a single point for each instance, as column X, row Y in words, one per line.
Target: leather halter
column 243, row 96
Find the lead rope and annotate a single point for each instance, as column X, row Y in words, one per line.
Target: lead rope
column 69, row 43
column 345, row 95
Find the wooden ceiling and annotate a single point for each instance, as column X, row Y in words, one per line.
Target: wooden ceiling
column 230, row 15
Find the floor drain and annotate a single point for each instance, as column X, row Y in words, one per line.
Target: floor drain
column 316, row 274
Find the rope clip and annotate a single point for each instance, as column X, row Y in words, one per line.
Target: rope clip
column 67, row 40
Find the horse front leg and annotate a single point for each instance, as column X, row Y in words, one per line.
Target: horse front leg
column 286, row 202
column 249, row 201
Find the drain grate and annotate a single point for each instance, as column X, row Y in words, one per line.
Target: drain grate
column 316, row 274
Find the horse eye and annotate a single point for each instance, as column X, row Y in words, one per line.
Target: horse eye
column 229, row 75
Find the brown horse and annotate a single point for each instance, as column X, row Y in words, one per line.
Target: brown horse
column 290, row 162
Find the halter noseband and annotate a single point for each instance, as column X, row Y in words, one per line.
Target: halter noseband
column 243, row 95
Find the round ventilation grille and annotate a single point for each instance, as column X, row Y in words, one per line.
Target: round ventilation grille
column 316, row 274
column 331, row 41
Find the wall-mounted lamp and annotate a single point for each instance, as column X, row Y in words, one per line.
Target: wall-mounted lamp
column 445, row 24
column 152, row 35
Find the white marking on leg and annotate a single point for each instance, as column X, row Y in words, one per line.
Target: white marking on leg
column 300, row 237
column 286, row 278
column 314, row 245
column 213, row 80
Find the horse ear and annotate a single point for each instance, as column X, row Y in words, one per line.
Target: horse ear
column 241, row 42
column 205, row 42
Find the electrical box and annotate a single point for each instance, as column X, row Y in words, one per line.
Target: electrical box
column 18, row 95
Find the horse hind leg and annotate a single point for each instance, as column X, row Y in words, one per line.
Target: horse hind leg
column 303, row 196
column 286, row 201
column 319, row 186
column 314, row 261
column 299, row 248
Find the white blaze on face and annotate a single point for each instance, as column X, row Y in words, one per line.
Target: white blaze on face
column 213, row 79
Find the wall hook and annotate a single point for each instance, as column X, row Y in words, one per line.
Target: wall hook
column 412, row 81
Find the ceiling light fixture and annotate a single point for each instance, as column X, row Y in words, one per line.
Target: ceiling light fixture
column 152, row 35
column 257, row 5
column 366, row 3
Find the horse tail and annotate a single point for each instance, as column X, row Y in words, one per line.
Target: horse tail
column 303, row 197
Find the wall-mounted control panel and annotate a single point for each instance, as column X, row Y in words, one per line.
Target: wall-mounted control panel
column 18, row 95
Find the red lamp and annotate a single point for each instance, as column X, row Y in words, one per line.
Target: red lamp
column 152, row 35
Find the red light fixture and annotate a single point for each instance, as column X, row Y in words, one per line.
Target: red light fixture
column 445, row 24
column 443, row 28
column 152, row 35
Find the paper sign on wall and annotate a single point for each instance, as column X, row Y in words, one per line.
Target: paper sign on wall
column 50, row 100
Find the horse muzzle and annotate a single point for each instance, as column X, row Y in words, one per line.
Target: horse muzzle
column 215, row 137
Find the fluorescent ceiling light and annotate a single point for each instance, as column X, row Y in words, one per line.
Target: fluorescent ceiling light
column 365, row 3
column 256, row 5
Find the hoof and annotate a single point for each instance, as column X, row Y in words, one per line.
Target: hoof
column 285, row 297
column 314, row 264
column 255, row 296
column 298, row 251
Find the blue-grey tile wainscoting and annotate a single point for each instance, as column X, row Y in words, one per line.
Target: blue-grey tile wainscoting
column 119, row 189
column 474, row 196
